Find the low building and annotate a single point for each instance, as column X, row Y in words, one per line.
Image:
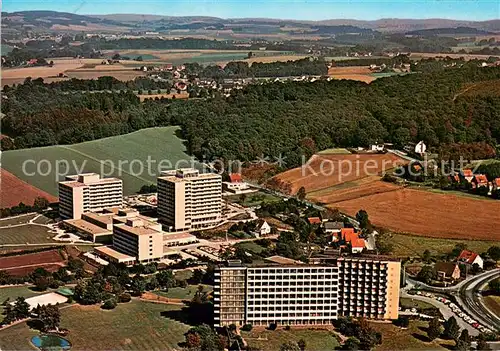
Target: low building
column 110, row 254
column 352, row 239
column 263, row 228
column 470, row 258
column 139, row 238
column 467, row 175
column 479, row 181
column 333, row 227
column 447, row 270
column 314, row 220
column 92, row 226
column 235, row 185
column 420, row 148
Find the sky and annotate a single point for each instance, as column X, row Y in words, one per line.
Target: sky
column 477, row 10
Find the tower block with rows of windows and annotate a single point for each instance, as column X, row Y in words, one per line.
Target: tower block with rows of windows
column 188, row 200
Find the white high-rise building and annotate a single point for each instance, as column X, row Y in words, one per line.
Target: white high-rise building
column 188, row 200
column 88, row 192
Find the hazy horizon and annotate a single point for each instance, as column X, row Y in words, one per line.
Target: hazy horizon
column 365, row 10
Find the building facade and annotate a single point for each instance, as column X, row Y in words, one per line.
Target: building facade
column 139, row 238
column 86, row 192
column 188, row 200
column 313, row 294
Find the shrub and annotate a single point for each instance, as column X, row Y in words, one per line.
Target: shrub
column 272, row 326
column 109, row 304
column 247, row 327
column 125, row 297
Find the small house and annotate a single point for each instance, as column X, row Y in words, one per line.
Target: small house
column 470, row 258
column 314, row 220
column 263, row 228
column 447, row 270
column 333, row 227
column 420, row 148
column 467, row 175
column 479, row 181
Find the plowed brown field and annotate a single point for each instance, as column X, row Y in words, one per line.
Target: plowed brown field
column 24, row 264
column 325, row 171
column 13, row 191
column 430, row 214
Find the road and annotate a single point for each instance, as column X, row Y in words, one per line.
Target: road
column 469, row 297
column 444, row 309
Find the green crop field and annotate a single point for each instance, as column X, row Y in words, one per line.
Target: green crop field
column 133, row 326
column 135, row 158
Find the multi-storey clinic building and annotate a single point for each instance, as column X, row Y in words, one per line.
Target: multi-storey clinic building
column 188, row 200
column 312, row 294
column 88, row 192
column 139, row 238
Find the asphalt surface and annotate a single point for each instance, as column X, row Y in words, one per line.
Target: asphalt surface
column 470, row 298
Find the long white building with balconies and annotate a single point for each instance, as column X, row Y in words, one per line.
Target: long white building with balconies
column 313, row 294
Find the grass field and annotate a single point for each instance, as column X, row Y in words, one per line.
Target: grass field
column 410, row 303
column 183, row 293
column 335, row 151
column 316, row 340
column 493, row 303
column 16, row 220
column 120, row 156
column 25, row 234
column 252, row 199
column 13, row 292
column 411, row 245
column 413, row 338
column 133, row 326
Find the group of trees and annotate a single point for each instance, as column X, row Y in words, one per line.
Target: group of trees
column 242, row 69
column 39, row 204
column 360, row 335
column 47, row 316
column 451, row 331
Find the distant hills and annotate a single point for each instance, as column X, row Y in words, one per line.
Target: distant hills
column 43, row 20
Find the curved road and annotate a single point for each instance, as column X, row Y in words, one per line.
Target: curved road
column 469, row 297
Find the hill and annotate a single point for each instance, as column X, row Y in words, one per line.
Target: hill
column 133, row 157
column 449, row 31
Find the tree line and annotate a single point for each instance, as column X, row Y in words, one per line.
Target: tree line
column 292, row 119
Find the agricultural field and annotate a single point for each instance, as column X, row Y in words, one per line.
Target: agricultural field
column 24, row 264
column 183, row 95
column 429, row 214
column 487, row 88
column 136, row 325
column 220, row 57
column 316, row 340
column 322, row 172
column 14, row 191
column 18, row 75
column 135, row 158
column 405, row 245
column 24, row 234
column 361, row 73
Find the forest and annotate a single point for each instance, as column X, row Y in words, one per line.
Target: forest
column 291, row 119
column 241, row 69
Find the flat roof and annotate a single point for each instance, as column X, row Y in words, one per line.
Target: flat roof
column 105, row 218
column 282, row 260
column 178, row 236
column 87, row 227
column 111, row 252
column 141, row 230
column 72, row 184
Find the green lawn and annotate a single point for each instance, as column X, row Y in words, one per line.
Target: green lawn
column 26, row 234
column 12, row 293
column 409, row 245
column 17, row 220
column 251, row 246
column 316, row 340
column 410, row 303
column 182, row 293
column 413, row 338
column 133, row 326
column 252, row 199
column 110, row 155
